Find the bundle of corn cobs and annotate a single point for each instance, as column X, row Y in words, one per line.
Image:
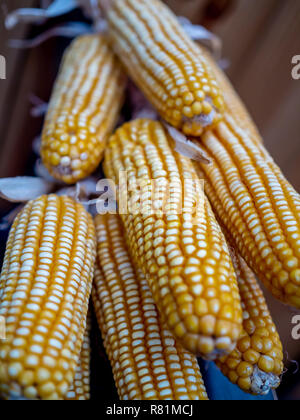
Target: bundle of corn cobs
column 174, row 279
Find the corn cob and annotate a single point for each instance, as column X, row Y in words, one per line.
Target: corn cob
column 258, row 207
column 147, row 363
column 180, row 247
column 233, row 103
column 165, row 64
column 80, row 389
column 83, row 110
column 256, row 364
column 45, row 287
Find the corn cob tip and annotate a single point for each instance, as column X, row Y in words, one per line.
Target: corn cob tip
column 196, row 125
column 208, row 348
column 262, row 383
column 64, row 169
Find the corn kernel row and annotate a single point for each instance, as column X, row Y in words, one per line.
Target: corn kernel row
column 80, row 389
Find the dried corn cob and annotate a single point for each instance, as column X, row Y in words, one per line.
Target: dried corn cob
column 147, row 363
column 257, row 206
column 256, row 365
column 165, row 63
column 45, row 287
column 233, row 103
column 83, row 109
column 80, row 389
column 178, row 245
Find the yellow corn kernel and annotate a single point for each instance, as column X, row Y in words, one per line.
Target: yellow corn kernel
column 233, row 103
column 258, row 207
column 257, row 362
column 174, row 238
column 45, row 286
column 80, row 389
column 83, row 109
column 147, row 363
column 165, row 64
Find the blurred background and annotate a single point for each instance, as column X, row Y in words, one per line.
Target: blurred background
column 260, row 38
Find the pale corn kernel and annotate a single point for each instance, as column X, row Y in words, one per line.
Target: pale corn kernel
column 251, row 356
column 40, row 228
column 266, row 364
column 155, row 366
column 233, row 376
column 161, row 59
column 80, row 389
column 244, row 370
column 173, row 273
column 83, row 109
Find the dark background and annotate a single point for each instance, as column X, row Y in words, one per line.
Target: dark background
column 260, row 37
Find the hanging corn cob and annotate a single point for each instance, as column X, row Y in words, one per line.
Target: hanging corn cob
column 165, row 63
column 256, row 364
column 233, row 103
column 147, row 363
column 176, row 240
column 258, row 207
column 83, row 110
column 45, row 287
column 80, row 389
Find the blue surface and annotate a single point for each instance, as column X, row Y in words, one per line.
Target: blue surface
column 219, row 388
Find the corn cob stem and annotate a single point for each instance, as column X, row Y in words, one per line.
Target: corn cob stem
column 165, row 63
column 176, row 240
column 80, row 389
column 147, row 362
column 83, row 110
column 45, row 287
column 258, row 207
column 256, row 364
